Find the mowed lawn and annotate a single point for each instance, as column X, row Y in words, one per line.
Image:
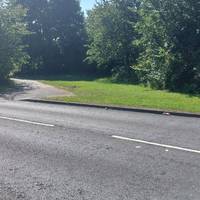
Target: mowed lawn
column 101, row 91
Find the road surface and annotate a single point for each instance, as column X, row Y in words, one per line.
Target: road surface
column 72, row 153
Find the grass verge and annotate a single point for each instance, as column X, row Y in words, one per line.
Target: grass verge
column 102, row 91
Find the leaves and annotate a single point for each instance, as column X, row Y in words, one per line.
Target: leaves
column 169, row 43
column 58, row 39
column 12, row 31
column 110, row 31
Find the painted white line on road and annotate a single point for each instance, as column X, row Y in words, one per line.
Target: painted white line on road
column 156, row 144
column 26, row 121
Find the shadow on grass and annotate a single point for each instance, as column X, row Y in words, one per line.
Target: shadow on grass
column 60, row 77
column 189, row 94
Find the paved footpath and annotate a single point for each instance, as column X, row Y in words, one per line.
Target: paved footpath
column 28, row 89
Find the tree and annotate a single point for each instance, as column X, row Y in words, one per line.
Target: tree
column 155, row 47
column 58, row 39
column 68, row 34
column 169, row 42
column 35, row 42
column 110, row 32
column 12, row 31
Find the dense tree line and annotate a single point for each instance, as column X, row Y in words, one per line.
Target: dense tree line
column 154, row 42
column 159, row 38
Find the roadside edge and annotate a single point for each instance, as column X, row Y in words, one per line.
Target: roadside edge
column 131, row 109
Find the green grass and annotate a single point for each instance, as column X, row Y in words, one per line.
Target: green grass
column 102, row 91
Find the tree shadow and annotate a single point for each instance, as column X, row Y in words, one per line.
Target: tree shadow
column 61, row 77
column 9, row 89
column 192, row 95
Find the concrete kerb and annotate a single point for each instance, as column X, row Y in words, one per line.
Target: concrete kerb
column 131, row 109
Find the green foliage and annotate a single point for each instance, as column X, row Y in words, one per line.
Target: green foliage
column 155, row 58
column 12, row 31
column 155, row 42
column 110, row 31
column 58, row 39
column 163, row 36
column 169, row 44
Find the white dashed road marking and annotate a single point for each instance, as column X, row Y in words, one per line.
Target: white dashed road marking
column 157, row 144
column 26, row 121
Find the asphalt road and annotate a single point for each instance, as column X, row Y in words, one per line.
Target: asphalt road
column 64, row 152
